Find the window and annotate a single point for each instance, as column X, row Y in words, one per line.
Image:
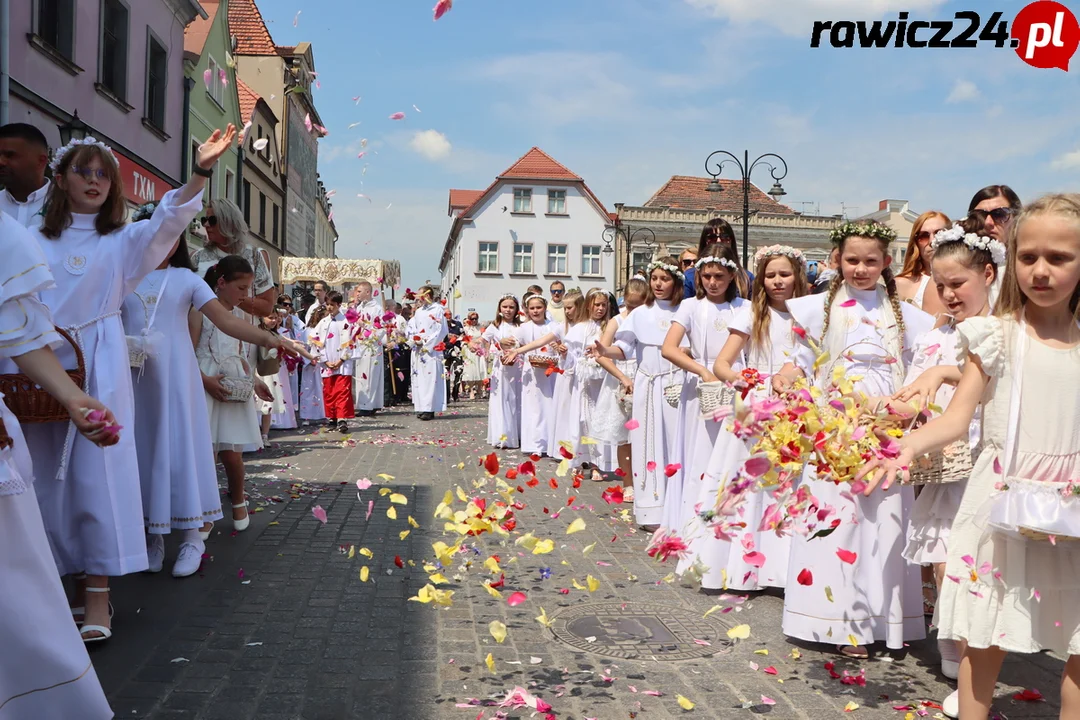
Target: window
column 523, row 258
column 590, row 260
column 556, row 260
column 522, row 200
column 556, row 202
column 641, row 260
column 114, row 47
column 230, row 184
column 274, row 237
column 216, row 90
column 56, row 25
column 488, row 259
column 157, row 72
column 247, row 202
column 262, row 215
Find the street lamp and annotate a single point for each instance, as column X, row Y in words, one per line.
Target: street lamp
column 715, row 167
column 74, row 129
column 642, row 235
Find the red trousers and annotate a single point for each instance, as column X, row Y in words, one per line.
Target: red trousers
column 338, row 397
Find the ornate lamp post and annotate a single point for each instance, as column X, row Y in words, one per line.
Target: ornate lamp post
column 715, row 167
column 643, row 235
column 74, row 129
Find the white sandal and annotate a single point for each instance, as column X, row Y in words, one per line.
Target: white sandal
column 204, row 536
column 242, row 524
column 106, row 633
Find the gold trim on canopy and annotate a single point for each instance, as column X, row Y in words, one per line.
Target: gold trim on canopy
column 339, row 271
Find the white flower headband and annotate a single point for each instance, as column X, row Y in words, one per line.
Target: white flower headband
column 506, row 296
column 977, row 242
column 58, row 156
column 787, row 250
column 719, row 261
column 670, row 269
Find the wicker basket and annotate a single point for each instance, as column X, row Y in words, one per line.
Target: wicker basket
column 672, row 394
column 31, row 404
column 543, row 361
column 136, row 353
column 1039, row 536
column 240, row 385
column 951, row 464
column 5, row 439
column 712, row 396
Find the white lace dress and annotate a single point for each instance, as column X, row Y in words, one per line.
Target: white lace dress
column 1023, row 596
column 233, row 425
column 608, row 419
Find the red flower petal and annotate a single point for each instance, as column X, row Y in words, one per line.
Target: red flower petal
column 846, row 556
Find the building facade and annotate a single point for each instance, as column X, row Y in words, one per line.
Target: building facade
column 673, row 218
column 118, row 66
column 538, row 222
column 326, row 234
column 262, row 192
column 898, row 215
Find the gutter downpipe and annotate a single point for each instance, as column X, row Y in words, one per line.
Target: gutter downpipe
column 5, row 45
column 185, row 128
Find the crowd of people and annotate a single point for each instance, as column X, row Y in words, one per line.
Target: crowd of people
column 941, row 344
column 133, row 366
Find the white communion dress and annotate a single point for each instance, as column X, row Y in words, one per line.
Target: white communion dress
column 234, row 426
column 504, row 401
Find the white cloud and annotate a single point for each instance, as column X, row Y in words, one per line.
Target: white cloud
column 1068, row 161
column 431, row 144
column 963, row 91
column 796, row 17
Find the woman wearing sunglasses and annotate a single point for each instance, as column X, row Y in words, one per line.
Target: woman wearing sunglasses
column 995, row 206
column 226, row 234
column 914, row 279
column 717, row 230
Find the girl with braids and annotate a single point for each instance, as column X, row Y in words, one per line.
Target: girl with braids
column 914, row 278
column 861, row 325
column 702, row 320
column 656, row 442
column 761, row 339
column 504, row 400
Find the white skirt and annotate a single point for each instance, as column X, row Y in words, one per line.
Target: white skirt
column 277, row 390
column 286, row 419
column 234, row 426
column 931, row 519
column 311, row 399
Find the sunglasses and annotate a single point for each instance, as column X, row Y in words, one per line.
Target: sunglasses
column 210, row 220
column 88, row 173
column 558, row 292
column 688, row 262
column 1000, row 215
column 922, row 235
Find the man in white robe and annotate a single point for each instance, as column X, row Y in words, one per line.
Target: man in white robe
column 371, row 339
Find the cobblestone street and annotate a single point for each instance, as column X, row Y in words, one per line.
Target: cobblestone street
column 279, row 623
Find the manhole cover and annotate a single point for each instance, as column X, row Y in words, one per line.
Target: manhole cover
column 640, row 630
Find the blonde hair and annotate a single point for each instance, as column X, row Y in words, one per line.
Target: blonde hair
column 590, row 298
column 759, row 302
column 1011, row 300
column 913, row 260
column 635, row 287
column 574, row 307
column 230, row 223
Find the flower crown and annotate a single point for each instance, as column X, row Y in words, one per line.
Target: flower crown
column 786, row 250
column 507, row 296
column 530, row 296
column 670, row 269
column 976, row 242
column 58, row 156
column 861, row 229
column 719, row 261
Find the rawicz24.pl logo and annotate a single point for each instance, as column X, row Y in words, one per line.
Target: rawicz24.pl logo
column 1045, row 34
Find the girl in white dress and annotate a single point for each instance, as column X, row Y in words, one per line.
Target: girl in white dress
column 427, row 332
column 176, row 461
column 89, row 498
column 44, row 669
column 504, row 401
column 861, row 323
column 599, row 457
column 537, row 384
column 475, row 372
column 614, row 402
column 963, row 275
column 279, row 391
column 1013, row 573
column 234, row 426
column 312, row 408
column 656, row 437
column 702, row 320
column 286, row 418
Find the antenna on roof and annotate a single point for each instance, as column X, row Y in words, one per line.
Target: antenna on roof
column 845, row 208
column 815, row 205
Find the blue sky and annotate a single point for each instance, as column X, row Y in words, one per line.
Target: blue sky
column 627, row 93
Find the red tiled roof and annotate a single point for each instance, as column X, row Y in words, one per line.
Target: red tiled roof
column 683, row 191
column 286, row 50
column 463, row 198
column 246, row 23
column 196, row 31
column 538, row 165
column 248, row 100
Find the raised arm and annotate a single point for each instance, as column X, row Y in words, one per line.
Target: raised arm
column 734, row 345
column 548, row 339
column 233, row 326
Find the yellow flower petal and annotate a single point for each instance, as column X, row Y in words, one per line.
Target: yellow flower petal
column 588, row 549
column 851, row 706
column 685, row 703
column 352, row 551
column 577, row 526
column 498, row 631
column 391, row 512
column 404, row 534
column 364, row 573
column 438, row 579
column 739, row 632
column 413, row 523
column 592, row 582
column 543, row 547
column 543, row 618
column 490, row 662
column 366, row 553
column 399, row 499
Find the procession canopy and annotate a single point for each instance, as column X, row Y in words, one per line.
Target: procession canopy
column 339, row 271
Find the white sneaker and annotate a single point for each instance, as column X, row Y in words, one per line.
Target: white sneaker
column 951, row 705
column 188, row 560
column 155, row 553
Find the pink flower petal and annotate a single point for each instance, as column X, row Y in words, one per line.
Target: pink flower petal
column 319, row 513
column 632, row 424
column 442, row 7
column 767, row 700
column 515, row 599
column 757, row 466
column 848, row 303
column 363, row 484
column 398, row 116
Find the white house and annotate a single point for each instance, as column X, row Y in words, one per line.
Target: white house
column 898, row 215
column 536, row 223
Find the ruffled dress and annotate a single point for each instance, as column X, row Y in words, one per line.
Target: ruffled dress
column 608, row 417
column 935, row 507
column 234, row 426
column 1002, row 589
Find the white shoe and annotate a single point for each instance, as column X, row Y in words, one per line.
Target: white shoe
column 242, row 524
column 188, row 560
column 204, row 536
column 155, row 553
column 951, row 705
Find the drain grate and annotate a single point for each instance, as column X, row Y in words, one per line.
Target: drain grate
column 640, row 631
